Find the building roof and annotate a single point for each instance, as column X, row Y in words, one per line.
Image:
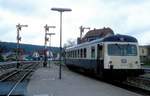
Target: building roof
column 96, row 34
column 99, row 32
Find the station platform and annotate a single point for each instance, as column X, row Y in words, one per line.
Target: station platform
column 46, row 82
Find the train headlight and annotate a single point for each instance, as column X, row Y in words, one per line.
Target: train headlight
column 110, row 62
column 110, row 65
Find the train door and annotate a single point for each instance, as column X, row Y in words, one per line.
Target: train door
column 100, row 60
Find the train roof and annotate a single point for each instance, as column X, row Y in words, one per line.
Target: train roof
column 113, row 38
column 120, row 38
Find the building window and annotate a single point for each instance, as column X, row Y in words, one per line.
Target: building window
column 92, row 52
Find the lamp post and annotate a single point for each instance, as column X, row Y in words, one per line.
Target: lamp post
column 60, row 57
column 19, row 39
column 45, row 43
column 50, row 43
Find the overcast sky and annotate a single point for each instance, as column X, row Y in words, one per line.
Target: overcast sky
column 130, row 17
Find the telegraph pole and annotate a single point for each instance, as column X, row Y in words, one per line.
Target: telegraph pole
column 45, row 44
column 82, row 30
column 19, row 39
column 50, row 44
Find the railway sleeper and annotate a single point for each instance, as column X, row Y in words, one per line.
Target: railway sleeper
column 139, row 82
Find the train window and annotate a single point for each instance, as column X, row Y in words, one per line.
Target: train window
column 75, row 53
column 99, row 51
column 81, row 53
column 78, row 54
column 84, row 52
column 122, row 50
column 92, row 52
column 67, row 54
column 142, row 50
column 71, row 54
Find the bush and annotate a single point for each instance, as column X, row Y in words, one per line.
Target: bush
column 147, row 62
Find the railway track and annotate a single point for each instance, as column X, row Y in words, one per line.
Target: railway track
column 16, row 77
column 130, row 87
column 139, row 82
column 7, row 67
column 140, row 85
column 133, row 85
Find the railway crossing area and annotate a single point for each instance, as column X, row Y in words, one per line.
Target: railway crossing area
column 46, row 82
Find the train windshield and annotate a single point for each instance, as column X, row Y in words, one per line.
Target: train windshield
column 122, row 50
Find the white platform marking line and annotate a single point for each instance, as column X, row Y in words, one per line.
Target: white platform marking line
column 50, row 79
column 44, row 95
column 41, row 95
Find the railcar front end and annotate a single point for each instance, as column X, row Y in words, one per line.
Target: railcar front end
column 122, row 60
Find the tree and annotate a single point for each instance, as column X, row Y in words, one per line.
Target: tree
column 1, row 58
column 70, row 43
column 2, row 50
column 3, row 47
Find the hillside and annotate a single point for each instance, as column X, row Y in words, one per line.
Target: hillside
column 28, row 48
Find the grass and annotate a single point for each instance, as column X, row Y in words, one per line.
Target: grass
column 57, row 62
column 146, row 63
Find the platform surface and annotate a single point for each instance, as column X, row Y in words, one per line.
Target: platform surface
column 45, row 82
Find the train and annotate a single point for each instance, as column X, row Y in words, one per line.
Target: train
column 113, row 57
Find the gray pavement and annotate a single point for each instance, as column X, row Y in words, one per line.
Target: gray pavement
column 45, row 82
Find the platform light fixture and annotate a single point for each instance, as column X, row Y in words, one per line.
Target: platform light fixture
column 60, row 57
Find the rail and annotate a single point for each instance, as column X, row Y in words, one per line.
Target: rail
column 21, row 79
column 17, row 76
column 5, row 66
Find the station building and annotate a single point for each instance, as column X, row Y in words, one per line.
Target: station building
column 144, row 53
